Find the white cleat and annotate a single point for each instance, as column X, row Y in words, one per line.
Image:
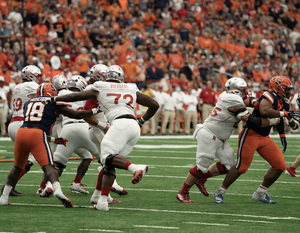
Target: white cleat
column 139, row 172
column 101, row 205
column 4, row 201
column 78, row 188
column 262, row 198
column 64, row 200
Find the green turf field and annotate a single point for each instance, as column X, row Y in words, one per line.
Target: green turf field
column 151, row 205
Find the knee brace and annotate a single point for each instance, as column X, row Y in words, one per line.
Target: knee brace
column 59, row 167
column 222, row 169
column 28, row 166
column 196, row 173
column 110, row 171
column 109, row 159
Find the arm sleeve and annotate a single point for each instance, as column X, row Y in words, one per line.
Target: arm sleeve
column 280, row 126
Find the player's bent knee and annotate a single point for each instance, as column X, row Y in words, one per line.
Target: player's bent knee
column 59, row 167
column 196, row 173
column 223, row 169
column 110, row 171
column 109, row 160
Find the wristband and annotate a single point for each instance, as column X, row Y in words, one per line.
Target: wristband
column 284, row 114
column 142, row 120
column 52, row 139
column 282, row 135
column 94, row 110
column 101, row 125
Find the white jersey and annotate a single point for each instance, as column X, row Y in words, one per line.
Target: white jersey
column 221, row 122
column 99, row 116
column 76, row 106
column 20, row 96
column 116, row 99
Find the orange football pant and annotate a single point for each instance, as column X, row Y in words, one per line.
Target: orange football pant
column 35, row 141
column 249, row 142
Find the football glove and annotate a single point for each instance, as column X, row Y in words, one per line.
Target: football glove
column 283, row 142
column 62, row 141
column 290, row 114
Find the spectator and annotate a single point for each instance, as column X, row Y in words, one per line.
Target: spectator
column 257, row 74
column 190, row 107
column 3, row 102
column 207, row 99
column 4, row 33
column 154, row 74
column 40, row 29
column 179, row 97
column 168, row 109
column 130, row 69
column 83, row 61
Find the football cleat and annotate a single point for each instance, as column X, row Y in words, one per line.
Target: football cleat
column 4, row 201
column 200, row 184
column 183, row 197
column 94, row 198
column 47, row 191
column 101, row 205
column 218, row 196
column 262, row 198
column 64, row 200
column 77, row 188
column 291, row 171
column 138, row 174
column 122, row 192
column 112, row 201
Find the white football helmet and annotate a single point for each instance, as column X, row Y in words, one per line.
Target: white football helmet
column 60, row 82
column 31, row 73
column 99, row 72
column 116, row 73
column 77, row 82
column 238, row 86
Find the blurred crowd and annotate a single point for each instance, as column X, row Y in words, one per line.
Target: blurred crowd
column 170, row 45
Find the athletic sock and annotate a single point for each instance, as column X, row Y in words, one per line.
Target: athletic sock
column 261, row 190
column 56, row 186
column 185, row 188
column 78, row 179
column 6, row 191
column 43, row 185
column 99, row 181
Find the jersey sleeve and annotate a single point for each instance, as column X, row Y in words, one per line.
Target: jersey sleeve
column 91, row 103
column 232, row 100
column 268, row 95
column 31, row 88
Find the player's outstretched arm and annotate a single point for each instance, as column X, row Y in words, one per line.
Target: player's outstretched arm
column 148, row 102
column 77, row 96
column 76, row 114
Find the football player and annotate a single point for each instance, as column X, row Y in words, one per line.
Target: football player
column 212, row 136
column 21, row 94
column 117, row 101
column 32, row 137
column 274, row 103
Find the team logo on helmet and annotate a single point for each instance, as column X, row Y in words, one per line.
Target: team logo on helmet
column 46, row 89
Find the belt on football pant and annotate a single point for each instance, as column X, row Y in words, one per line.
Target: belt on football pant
column 74, row 122
column 127, row 116
column 30, row 127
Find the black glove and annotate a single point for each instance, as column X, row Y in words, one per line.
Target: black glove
column 298, row 101
column 141, row 121
column 293, row 114
column 48, row 100
column 283, row 142
column 62, row 141
column 98, row 108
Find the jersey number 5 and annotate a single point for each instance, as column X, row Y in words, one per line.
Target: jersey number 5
column 34, row 111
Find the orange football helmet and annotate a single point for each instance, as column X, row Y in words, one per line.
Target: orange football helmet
column 46, row 89
column 282, row 86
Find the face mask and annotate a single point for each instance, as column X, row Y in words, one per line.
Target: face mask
column 140, row 64
column 178, row 89
column 160, row 51
column 53, row 51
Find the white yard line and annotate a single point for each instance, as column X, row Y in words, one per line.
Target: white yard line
column 175, row 212
column 157, row 227
column 244, row 220
column 205, row 223
column 102, row 230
